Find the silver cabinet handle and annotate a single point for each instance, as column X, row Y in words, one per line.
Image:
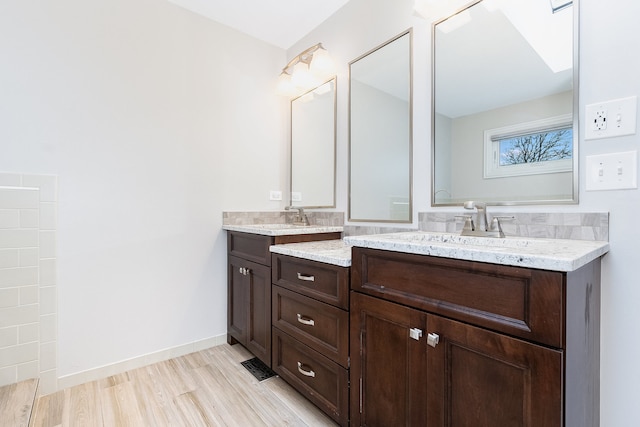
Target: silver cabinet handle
column 244, row 271
column 305, row 320
column 306, row 277
column 305, row 372
column 415, row 333
column 433, row 339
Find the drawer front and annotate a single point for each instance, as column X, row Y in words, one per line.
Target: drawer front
column 319, row 379
column 324, row 282
column 522, row 302
column 252, row 247
column 321, row 326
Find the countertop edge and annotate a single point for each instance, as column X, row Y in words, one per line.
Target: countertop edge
column 324, row 251
column 284, row 231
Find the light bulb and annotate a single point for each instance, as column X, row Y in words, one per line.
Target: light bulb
column 302, row 77
column 285, row 85
column 322, row 65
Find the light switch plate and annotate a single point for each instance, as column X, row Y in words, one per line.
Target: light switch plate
column 614, row 171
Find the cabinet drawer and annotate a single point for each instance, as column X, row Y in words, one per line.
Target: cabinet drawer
column 324, row 282
column 252, row 247
column 321, row 326
column 522, row 302
column 322, row 381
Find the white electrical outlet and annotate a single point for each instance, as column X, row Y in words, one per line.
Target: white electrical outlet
column 296, row 196
column 600, row 121
column 614, row 171
column 275, row 195
column 611, row 118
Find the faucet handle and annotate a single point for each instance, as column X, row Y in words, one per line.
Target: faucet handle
column 495, row 222
column 468, row 222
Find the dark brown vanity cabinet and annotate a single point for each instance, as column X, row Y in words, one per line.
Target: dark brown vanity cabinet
column 310, row 326
column 249, row 293
column 443, row 342
column 249, row 288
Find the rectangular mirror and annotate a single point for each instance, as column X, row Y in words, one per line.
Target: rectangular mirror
column 313, row 147
column 505, row 122
column 380, row 129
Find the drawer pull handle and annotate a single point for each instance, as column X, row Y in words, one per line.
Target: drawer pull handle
column 304, row 372
column 305, row 320
column 244, row 271
column 415, row 333
column 306, row 277
column 433, row 339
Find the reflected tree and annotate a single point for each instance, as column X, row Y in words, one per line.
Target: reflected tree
column 537, row 147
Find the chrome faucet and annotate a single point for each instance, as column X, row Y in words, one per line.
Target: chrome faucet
column 301, row 217
column 484, row 228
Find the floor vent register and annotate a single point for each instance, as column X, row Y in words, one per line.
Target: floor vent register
column 258, row 369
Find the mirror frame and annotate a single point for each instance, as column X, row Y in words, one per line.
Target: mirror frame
column 409, row 33
column 575, row 112
column 334, row 145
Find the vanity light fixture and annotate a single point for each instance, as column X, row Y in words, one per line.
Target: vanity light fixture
column 308, row 69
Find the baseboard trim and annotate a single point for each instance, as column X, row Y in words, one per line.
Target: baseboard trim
column 138, row 362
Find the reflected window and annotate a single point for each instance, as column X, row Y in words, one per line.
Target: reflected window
column 530, row 148
column 545, row 146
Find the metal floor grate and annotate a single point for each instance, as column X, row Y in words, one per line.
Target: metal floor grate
column 258, row 369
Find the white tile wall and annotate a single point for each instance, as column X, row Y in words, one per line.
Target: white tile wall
column 28, row 285
column 19, row 304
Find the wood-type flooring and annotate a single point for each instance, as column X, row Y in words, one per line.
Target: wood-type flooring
column 206, row 388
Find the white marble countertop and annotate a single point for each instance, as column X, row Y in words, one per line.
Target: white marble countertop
column 546, row 254
column 282, row 229
column 334, row 252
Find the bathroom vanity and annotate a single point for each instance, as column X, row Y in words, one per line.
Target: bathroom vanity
column 453, row 331
column 423, row 328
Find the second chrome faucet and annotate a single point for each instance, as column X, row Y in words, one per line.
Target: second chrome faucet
column 482, row 227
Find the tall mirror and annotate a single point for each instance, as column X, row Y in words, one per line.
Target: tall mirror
column 505, row 103
column 313, row 147
column 380, row 133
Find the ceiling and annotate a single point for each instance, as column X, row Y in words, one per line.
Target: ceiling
column 278, row 22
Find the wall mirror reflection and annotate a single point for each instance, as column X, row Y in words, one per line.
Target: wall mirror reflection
column 380, row 120
column 504, row 114
column 313, row 147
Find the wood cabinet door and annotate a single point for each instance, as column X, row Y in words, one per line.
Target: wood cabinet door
column 479, row 378
column 388, row 366
column 249, row 306
column 237, row 301
column 259, row 298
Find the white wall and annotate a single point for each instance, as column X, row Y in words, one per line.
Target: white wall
column 609, row 69
column 155, row 120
